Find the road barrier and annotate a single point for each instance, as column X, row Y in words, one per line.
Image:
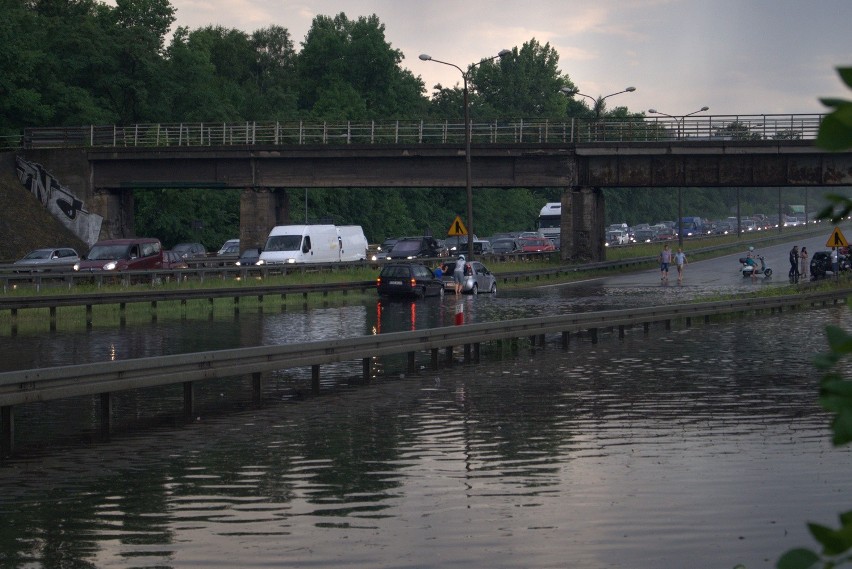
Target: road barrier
column 103, row 378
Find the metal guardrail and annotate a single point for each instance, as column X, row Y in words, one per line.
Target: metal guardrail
column 53, row 302
column 154, row 296
column 33, row 385
column 778, row 127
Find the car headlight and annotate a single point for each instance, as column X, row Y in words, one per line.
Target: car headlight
column 260, row 262
column 76, row 266
column 110, row 266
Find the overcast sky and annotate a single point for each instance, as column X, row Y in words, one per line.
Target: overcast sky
column 734, row 56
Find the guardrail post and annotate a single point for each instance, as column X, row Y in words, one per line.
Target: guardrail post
column 88, row 316
column 106, row 414
column 7, row 430
column 411, row 363
column 594, row 333
column 541, row 340
column 646, row 327
column 53, row 319
column 188, row 399
column 256, row 387
column 476, row 351
column 365, row 369
column 435, row 358
column 315, row 379
column 621, row 332
column 448, row 354
column 565, row 339
column 467, row 353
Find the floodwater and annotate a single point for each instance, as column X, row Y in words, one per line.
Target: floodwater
column 700, row 447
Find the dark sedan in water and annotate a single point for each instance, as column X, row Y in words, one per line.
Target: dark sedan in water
column 408, row 279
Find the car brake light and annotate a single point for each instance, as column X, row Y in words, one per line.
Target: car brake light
column 413, row 283
column 379, row 281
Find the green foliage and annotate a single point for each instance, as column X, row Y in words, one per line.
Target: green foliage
column 217, row 210
column 835, row 132
column 524, row 84
column 835, row 388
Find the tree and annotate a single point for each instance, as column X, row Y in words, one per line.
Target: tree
column 352, row 57
column 136, row 33
column 835, row 133
column 737, row 131
column 525, row 83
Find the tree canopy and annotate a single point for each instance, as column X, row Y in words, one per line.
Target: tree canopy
column 84, row 62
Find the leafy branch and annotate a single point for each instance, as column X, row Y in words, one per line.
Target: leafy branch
column 835, row 394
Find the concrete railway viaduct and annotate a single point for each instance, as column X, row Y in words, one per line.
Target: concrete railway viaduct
column 101, row 166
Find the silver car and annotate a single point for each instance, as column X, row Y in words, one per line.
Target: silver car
column 477, row 278
column 57, row 259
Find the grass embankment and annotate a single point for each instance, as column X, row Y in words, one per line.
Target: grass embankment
column 111, row 315
column 24, row 223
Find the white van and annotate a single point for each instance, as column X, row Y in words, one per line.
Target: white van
column 314, row 244
column 353, row 243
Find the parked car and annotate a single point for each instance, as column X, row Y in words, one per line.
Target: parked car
column 48, row 259
column 230, row 247
column 414, row 247
column 173, row 260
column 536, row 244
column 482, row 247
column 408, row 279
column 249, row 257
column 821, row 263
column 646, row 235
column 387, row 244
column 137, row 253
column 665, row 233
column 616, row 237
column 505, row 246
column 189, row 251
column 477, row 278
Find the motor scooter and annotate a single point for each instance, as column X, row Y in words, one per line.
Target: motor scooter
column 749, row 268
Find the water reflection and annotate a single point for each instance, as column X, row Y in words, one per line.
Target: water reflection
column 644, row 452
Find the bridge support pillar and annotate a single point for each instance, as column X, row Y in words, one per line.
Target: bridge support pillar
column 260, row 210
column 116, row 207
column 583, row 228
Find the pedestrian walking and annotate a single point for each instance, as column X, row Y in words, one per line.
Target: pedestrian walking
column 794, row 264
column 803, row 261
column 665, row 260
column 680, row 261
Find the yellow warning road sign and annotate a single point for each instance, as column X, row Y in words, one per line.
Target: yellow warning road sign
column 457, row 228
column 836, row 239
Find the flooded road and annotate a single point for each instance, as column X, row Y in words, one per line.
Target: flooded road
column 701, row 447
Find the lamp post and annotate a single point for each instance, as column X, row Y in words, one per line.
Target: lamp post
column 599, row 102
column 679, row 119
column 679, row 122
column 467, row 136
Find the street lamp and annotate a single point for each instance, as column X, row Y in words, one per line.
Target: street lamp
column 467, row 136
column 599, row 102
column 679, row 119
column 679, row 122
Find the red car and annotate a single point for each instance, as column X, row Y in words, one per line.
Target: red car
column 536, row 244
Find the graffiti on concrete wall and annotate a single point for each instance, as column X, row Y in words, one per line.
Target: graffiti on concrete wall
column 59, row 200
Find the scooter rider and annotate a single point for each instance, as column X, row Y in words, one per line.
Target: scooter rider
column 750, row 258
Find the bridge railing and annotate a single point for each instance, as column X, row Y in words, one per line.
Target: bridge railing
column 515, row 131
